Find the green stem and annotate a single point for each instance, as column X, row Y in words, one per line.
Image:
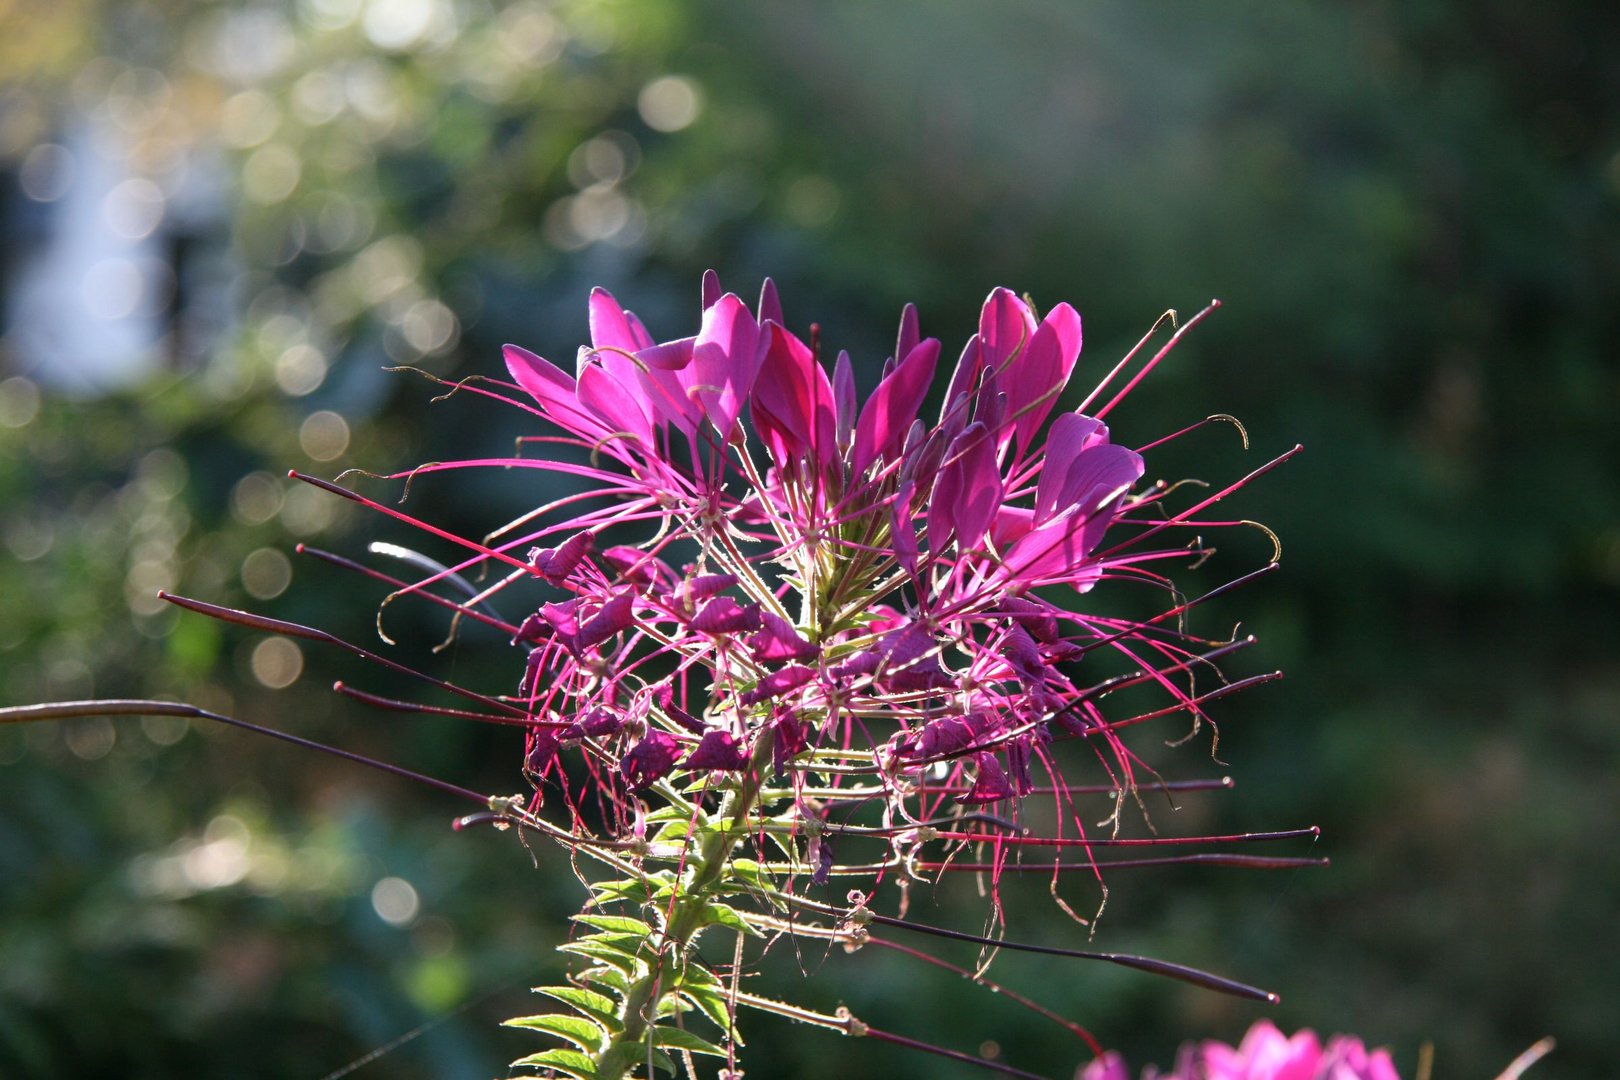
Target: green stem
column 705, row 869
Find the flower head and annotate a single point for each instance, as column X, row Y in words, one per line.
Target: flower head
column 776, row 635
column 1265, row 1054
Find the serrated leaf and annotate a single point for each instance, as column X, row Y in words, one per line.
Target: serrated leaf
column 610, row 977
column 725, row 915
column 598, row 1007
column 623, row 1058
column 748, row 870
column 588, row 1035
column 681, row 1039
column 572, row 1062
column 619, row 924
column 672, row 832
column 713, row 1004
column 605, row 951
column 696, row 975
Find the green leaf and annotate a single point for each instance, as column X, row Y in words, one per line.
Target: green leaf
column 598, row 1007
column 572, row 1062
column 725, row 915
column 619, row 924
column 606, row 951
column 713, row 1004
column 612, row 978
column 588, row 1035
column 623, row 1058
column 681, row 1039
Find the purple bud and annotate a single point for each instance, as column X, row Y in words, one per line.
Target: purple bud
column 717, row 750
column 1036, row 618
column 776, row 684
column 594, row 724
column 990, row 785
column 723, row 615
column 1023, row 655
column 541, row 752
column 556, row 565
column 636, row 566
column 706, row 585
column 651, row 759
column 614, row 616
column 778, row 640
column 791, row 739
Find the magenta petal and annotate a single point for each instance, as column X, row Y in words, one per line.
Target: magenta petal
column 614, row 328
column 614, row 402
column 792, row 738
column 910, row 334
column 770, row 304
column 725, row 359
column 1005, row 328
column 651, row 759
column 1110, row 1066
column 554, row 391
column 706, row 585
column 711, row 289
column 968, row 492
column 563, row 618
column 792, row 401
column 893, row 406
column 595, row 724
column 965, row 375
column 636, row 566
column 843, row 382
column 1071, row 434
column 1097, row 476
column 716, row 750
column 1038, row 380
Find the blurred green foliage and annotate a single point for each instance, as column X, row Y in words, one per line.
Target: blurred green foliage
column 1409, row 210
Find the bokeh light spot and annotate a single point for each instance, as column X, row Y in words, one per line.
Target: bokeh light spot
column 266, row 573
column 395, row 901
column 324, row 435
column 670, row 103
column 277, row 662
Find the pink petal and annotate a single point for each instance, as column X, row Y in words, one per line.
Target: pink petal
column 1045, row 370
column 617, row 404
column 792, row 402
column 909, row 332
column 967, row 493
column 554, row 391
column 770, row 305
column 614, row 328
column 893, row 406
column 725, row 359
column 1005, row 328
column 711, row 289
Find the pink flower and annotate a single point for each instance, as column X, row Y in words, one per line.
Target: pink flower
column 1265, row 1054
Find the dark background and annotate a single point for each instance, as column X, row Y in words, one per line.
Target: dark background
column 1408, row 210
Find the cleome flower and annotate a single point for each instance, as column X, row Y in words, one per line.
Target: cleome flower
column 851, row 577
column 774, row 635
